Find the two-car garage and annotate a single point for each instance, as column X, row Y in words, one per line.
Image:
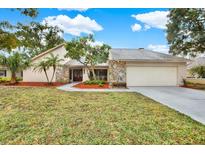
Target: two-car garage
column 149, row 68
column 151, row 76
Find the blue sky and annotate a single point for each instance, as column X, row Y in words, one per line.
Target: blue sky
column 120, row 28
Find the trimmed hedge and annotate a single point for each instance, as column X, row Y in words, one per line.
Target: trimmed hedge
column 8, row 79
column 5, row 79
column 99, row 82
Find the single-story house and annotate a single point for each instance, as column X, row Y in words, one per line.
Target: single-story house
column 5, row 72
column 134, row 67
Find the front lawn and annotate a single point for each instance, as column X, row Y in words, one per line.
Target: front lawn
column 51, row 116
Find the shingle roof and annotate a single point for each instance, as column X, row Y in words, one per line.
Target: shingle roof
column 197, row 62
column 142, row 55
column 123, row 54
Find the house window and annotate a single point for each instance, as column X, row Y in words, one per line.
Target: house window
column 101, row 74
column 2, row 73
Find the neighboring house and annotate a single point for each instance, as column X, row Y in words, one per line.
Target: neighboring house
column 199, row 61
column 134, row 67
column 4, row 72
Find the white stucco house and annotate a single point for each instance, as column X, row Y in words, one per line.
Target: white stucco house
column 134, row 67
column 5, row 72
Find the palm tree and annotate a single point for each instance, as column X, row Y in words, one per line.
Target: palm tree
column 15, row 62
column 53, row 61
column 42, row 66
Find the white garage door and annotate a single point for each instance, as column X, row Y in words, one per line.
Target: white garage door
column 151, row 76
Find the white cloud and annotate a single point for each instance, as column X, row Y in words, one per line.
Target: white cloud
column 73, row 9
column 96, row 43
column 74, row 26
column 159, row 48
column 156, row 19
column 146, row 27
column 136, row 27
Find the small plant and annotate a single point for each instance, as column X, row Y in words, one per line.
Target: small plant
column 19, row 79
column 95, row 82
column 63, row 81
column 5, row 79
column 8, row 79
column 101, row 85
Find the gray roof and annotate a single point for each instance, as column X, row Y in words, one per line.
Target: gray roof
column 142, row 55
column 197, row 62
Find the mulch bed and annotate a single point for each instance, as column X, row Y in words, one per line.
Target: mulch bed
column 91, row 86
column 36, row 84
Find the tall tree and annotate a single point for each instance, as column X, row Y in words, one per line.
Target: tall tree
column 8, row 40
column 31, row 12
column 15, row 62
column 186, row 31
column 84, row 51
column 36, row 37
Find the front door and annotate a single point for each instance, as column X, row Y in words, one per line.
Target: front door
column 77, row 75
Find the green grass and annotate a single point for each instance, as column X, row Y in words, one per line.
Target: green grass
column 51, row 116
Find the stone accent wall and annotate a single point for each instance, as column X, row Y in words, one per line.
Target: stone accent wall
column 117, row 72
column 62, row 74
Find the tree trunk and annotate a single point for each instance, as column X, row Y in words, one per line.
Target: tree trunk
column 46, row 75
column 93, row 72
column 13, row 77
column 54, row 70
column 88, row 73
column 88, row 69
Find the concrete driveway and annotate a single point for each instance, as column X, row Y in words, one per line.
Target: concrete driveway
column 188, row 101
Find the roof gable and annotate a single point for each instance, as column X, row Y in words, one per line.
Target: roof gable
column 47, row 51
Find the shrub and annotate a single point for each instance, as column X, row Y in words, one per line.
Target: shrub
column 199, row 71
column 101, row 85
column 86, row 82
column 95, row 82
column 8, row 79
column 100, row 82
column 5, row 79
column 19, row 79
